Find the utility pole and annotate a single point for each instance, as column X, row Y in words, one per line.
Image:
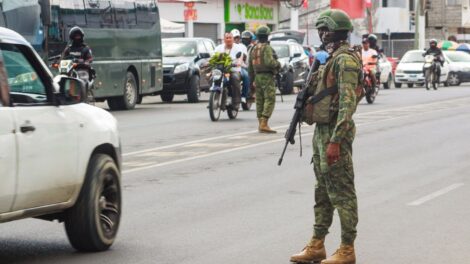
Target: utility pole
column 417, row 22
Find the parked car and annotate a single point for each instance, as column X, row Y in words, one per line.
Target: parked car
column 60, row 157
column 182, row 58
column 459, row 67
column 386, row 75
column 410, row 69
column 294, row 63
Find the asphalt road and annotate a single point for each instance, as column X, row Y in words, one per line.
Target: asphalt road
column 196, row 191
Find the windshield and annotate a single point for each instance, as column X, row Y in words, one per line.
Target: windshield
column 282, row 51
column 22, row 17
column 179, row 48
column 458, row 56
column 413, row 57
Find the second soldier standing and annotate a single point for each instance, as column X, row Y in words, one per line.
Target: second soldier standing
column 262, row 68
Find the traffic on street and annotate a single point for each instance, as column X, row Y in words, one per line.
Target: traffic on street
column 235, row 133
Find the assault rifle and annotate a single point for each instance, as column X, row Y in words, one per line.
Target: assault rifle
column 300, row 101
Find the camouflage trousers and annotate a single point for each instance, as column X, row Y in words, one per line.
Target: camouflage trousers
column 265, row 94
column 335, row 186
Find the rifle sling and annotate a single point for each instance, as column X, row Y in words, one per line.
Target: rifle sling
column 318, row 97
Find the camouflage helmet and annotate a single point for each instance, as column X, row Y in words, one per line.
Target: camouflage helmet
column 334, row 20
column 263, row 31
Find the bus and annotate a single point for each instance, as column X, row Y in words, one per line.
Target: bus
column 124, row 36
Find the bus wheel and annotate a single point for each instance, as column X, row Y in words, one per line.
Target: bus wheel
column 129, row 99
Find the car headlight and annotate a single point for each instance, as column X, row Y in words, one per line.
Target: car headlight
column 181, row 68
column 216, row 74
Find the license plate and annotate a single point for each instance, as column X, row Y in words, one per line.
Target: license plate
column 413, row 79
column 413, row 76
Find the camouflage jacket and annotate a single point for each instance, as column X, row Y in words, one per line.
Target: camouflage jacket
column 342, row 70
column 261, row 60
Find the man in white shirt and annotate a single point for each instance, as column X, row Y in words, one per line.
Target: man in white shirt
column 236, row 52
column 369, row 56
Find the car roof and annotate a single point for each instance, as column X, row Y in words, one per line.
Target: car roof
column 285, row 42
column 10, row 36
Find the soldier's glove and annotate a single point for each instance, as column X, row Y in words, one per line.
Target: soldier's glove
column 332, row 153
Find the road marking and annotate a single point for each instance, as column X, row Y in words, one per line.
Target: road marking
column 436, row 194
column 367, row 115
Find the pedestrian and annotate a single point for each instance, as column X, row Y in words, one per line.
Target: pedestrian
column 262, row 68
column 332, row 144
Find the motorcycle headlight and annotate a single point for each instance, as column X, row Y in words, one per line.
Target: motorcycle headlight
column 181, row 68
column 216, row 74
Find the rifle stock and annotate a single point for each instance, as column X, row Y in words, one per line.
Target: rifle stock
column 302, row 97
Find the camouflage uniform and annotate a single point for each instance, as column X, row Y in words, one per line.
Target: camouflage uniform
column 262, row 67
column 335, row 183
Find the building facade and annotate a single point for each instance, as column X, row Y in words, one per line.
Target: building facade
column 445, row 18
column 215, row 17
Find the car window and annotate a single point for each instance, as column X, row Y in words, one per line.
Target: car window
column 282, row 51
column 24, row 82
column 209, row 46
column 200, row 47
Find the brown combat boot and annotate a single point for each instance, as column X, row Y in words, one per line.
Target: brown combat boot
column 314, row 251
column 344, row 255
column 264, row 128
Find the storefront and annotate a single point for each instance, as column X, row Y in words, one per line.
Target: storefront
column 249, row 15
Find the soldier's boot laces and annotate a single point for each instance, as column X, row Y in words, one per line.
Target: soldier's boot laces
column 313, row 252
column 344, row 255
column 264, row 128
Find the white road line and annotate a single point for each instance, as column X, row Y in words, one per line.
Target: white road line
column 359, row 115
column 436, row 194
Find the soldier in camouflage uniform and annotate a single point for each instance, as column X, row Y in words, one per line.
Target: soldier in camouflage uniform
column 332, row 146
column 262, row 67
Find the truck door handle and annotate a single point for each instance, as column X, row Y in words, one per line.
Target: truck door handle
column 27, row 128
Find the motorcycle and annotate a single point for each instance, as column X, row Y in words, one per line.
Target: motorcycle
column 430, row 71
column 73, row 67
column 371, row 90
column 220, row 98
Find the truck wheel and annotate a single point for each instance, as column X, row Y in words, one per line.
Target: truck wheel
column 193, row 92
column 92, row 223
column 288, row 86
column 388, row 83
column 129, row 99
column 167, row 97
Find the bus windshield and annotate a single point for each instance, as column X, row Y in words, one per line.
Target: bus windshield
column 24, row 18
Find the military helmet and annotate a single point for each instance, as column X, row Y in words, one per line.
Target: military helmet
column 334, row 20
column 247, row 34
column 263, row 31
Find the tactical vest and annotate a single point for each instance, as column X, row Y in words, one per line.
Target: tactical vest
column 323, row 90
column 257, row 58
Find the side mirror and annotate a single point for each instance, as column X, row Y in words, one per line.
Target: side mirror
column 204, row 55
column 71, row 91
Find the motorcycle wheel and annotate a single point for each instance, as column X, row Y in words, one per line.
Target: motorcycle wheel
column 231, row 112
column 214, row 105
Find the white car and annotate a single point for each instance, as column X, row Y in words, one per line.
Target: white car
column 59, row 158
column 459, row 67
column 386, row 76
column 410, row 69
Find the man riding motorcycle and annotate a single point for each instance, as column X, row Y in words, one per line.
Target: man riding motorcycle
column 78, row 49
column 369, row 60
column 372, row 38
column 236, row 52
column 437, row 52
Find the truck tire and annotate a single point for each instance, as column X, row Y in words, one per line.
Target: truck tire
column 167, row 97
column 92, row 223
column 130, row 97
column 193, row 92
column 288, row 86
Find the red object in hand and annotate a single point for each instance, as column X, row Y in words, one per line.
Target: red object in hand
column 354, row 8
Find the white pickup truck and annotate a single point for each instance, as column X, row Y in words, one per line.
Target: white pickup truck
column 59, row 157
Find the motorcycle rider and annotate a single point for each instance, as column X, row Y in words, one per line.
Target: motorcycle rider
column 372, row 38
column 236, row 52
column 437, row 52
column 369, row 55
column 78, row 48
column 236, row 35
column 247, row 38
